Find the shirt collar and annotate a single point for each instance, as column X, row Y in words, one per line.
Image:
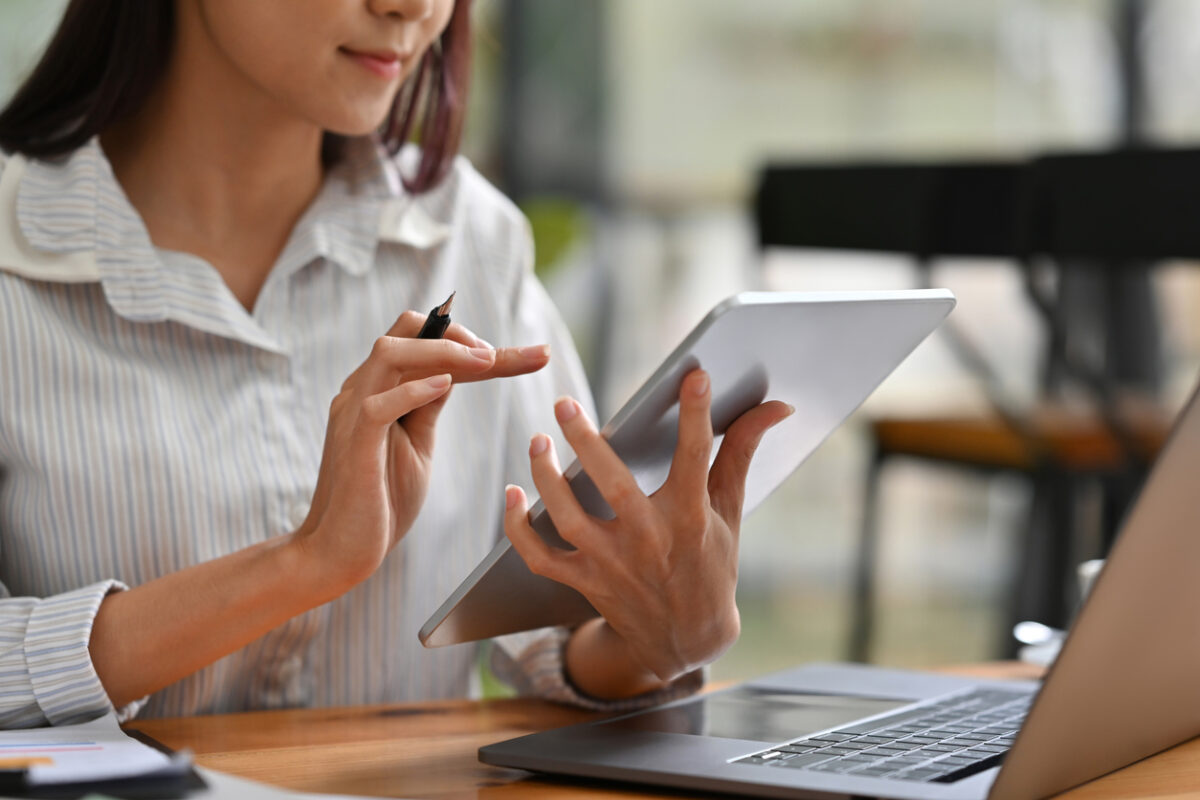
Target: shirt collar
column 75, row 208
column 362, row 203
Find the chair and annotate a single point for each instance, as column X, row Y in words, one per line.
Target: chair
column 1033, row 212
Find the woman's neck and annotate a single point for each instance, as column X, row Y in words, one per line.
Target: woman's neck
column 216, row 168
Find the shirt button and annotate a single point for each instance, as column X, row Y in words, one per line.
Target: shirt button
column 298, row 514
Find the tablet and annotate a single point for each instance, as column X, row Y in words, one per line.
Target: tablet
column 823, row 353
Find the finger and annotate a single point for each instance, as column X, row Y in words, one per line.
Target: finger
column 509, row 361
column 409, row 325
column 464, row 335
column 614, row 480
column 541, row 558
column 574, row 524
column 689, row 467
column 727, row 478
column 386, row 407
column 396, row 358
column 514, row 361
column 421, row 423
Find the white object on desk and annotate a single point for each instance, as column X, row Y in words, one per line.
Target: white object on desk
column 222, row 785
column 92, row 751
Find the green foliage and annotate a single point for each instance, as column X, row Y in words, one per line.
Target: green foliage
column 558, row 225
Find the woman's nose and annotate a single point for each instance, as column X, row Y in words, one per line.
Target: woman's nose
column 412, row 10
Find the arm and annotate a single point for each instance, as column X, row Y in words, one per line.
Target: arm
column 371, row 485
column 151, row 636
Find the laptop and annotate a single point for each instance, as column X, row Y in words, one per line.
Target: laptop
column 1126, row 685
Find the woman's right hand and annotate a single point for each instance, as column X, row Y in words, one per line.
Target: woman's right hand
column 374, row 470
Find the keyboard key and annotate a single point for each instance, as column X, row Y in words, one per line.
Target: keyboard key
column 979, row 753
column 856, row 744
column 796, row 748
column 920, row 774
column 961, row 742
column 805, row 760
column 872, row 739
column 885, row 722
column 905, row 744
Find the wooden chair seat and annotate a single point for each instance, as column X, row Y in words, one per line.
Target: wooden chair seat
column 1067, row 439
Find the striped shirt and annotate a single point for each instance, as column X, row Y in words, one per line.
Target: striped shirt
column 149, row 422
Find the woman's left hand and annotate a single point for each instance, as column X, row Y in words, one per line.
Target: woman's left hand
column 663, row 571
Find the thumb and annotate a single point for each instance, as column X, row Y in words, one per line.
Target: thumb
column 727, row 478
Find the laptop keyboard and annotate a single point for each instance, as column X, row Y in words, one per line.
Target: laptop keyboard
column 944, row 741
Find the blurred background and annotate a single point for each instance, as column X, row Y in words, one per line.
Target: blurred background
column 635, row 134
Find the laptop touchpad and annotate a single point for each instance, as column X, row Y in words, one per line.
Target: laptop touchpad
column 757, row 714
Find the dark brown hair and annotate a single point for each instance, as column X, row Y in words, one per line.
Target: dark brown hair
column 107, row 56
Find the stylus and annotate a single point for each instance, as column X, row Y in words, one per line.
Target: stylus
column 436, row 323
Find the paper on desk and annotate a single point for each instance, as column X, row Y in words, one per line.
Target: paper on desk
column 222, row 785
column 92, row 751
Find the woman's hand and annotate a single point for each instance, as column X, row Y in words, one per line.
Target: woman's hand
column 375, row 470
column 663, row 572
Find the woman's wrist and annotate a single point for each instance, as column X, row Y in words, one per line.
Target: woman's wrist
column 598, row 663
column 325, row 578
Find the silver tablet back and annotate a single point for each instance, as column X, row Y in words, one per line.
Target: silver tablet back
column 823, row 353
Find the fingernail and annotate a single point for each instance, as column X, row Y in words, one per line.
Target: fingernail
column 565, row 409
column 538, row 444
column 535, row 351
column 791, row 410
column 438, row 381
column 700, row 385
column 482, row 353
column 511, row 495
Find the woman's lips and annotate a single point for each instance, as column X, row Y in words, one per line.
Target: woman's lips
column 384, row 64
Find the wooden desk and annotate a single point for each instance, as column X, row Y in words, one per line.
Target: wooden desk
column 428, row 750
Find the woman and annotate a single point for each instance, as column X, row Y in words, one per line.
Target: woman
column 199, row 239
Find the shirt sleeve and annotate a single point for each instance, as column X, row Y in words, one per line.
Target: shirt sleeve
column 46, row 671
column 532, row 662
